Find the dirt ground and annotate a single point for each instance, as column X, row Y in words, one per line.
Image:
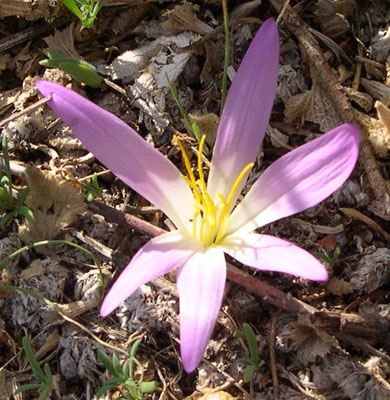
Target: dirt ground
column 317, row 340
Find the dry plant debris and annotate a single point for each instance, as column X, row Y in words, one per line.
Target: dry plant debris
column 332, row 339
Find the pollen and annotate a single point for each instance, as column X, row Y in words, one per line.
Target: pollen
column 210, row 220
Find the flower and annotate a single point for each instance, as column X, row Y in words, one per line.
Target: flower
column 298, row 180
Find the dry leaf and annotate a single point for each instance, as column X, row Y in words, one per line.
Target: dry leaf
column 63, row 42
column 313, row 105
column 207, row 124
column 35, row 269
column 55, row 203
column 378, row 133
column 309, row 341
column 220, row 395
column 357, row 381
column 183, row 18
column 327, row 8
column 377, row 89
column 372, row 271
column 364, row 100
column 339, row 287
column 290, row 82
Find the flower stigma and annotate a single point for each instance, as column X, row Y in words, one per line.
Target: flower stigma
column 210, row 220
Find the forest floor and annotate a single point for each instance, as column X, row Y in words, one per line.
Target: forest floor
column 317, row 340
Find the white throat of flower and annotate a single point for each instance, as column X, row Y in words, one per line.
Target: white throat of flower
column 210, row 219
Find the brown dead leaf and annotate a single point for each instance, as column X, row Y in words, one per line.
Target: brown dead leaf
column 207, row 124
column 309, row 341
column 55, row 203
column 63, row 42
column 378, row 132
column 220, row 395
column 35, row 269
column 377, row 89
column 327, row 8
column 313, row 105
column 328, row 242
column 183, row 18
column 372, row 271
column 339, row 287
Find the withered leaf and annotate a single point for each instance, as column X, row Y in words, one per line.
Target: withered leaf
column 56, row 204
column 339, row 286
column 309, row 341
column 313, row 105
column 372, row 272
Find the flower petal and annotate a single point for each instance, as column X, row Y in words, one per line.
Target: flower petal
column 246, row 112
column 299, row 180
column 269, row 253
column 201, row 284
column 159, row 256
column 124, row 152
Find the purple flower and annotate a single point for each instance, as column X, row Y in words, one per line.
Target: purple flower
column 208, row 224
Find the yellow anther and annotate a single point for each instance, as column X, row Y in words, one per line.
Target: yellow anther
column 210, row 221
column 186, row 159
column 237, row 183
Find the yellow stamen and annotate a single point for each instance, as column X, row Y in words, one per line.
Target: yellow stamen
column 210, row 221
column 225, row 211
column 237, row 182
column 186, row 160
column 209, row 205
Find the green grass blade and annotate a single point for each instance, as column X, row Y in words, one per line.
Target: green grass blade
column 71, row 5
column 37, row 370
column 227, row 53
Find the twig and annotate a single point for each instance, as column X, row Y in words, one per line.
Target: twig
column 118, row 217
column 269, row 293
column 25, row 111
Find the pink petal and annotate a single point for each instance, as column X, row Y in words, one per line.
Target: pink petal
column 299, row 180
column 123, row 151
column 247, row 111
column 159, row 256
column 269, row 253
column 201, row 284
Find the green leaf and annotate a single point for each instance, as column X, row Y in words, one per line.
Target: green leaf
column 130, row 382
column 116, row 365
column 99, row 4
column 148, row 387
column 7, row 169
column 71, row 5
column 106, row 362
column 87, row 22
column 89, row 196
column 245, row 361
column 6, row 218
column 107, row 386
column 49, row 376
column 37, row 370
column 4, row 180
column 252, row 342
column 27, row 386
column 23, row 195
column 82, row 72
column 44, row 394
column 239, row 334
column 27, row 213
column 248, row 373
column 125, row 369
